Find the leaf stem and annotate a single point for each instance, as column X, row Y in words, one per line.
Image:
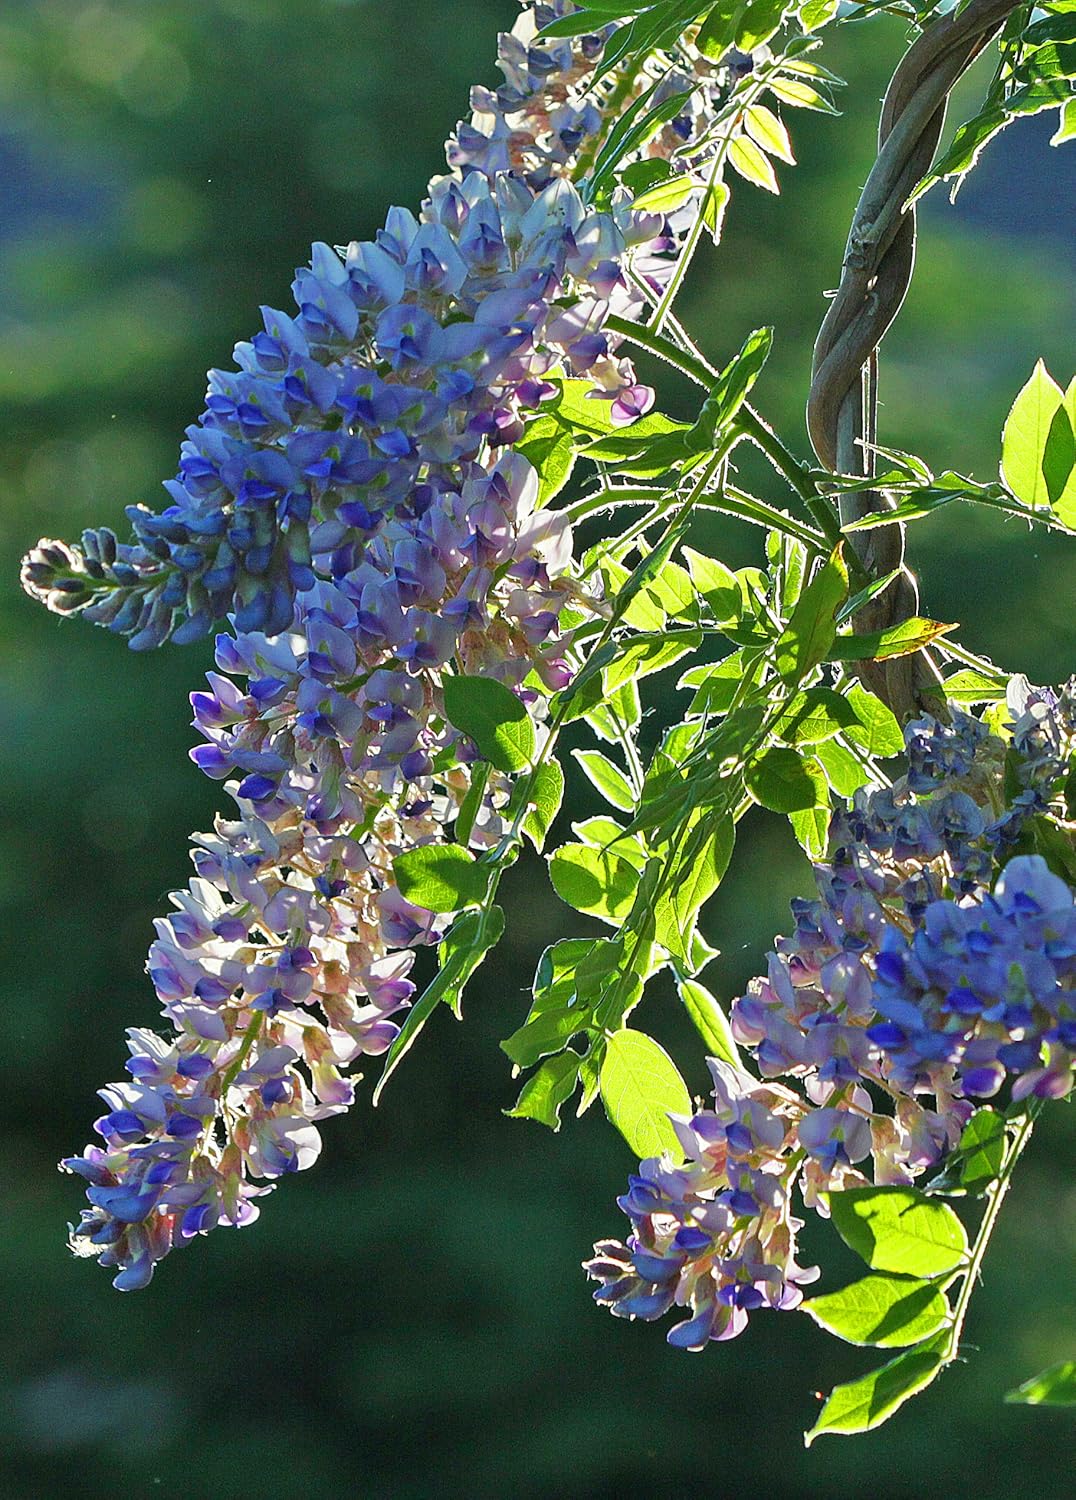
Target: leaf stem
column 996, row 1197
column 751, row 425
column 249, row 1038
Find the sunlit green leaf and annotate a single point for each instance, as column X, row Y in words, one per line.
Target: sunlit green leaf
column 897, row 640
column 982, row 1149
column 866, row 1403
column 608, row 778
column 883, row 1311
column 472, row 802
column 492, row 716
column 441, row 877
column 1053, row 1387
column 970, row 686
column 784, row 781
column 710, row 1021
column 641, row 1087
column 544, row 1094
column 596, row 881
column 694, row 873
column 844, row 772
column 544, row 799
column 899, row 1229
column 811, row 827
column 752, row 163
column 715, row 583
column 816, row 714
column 767, row 131
column 1023, row 441
column 875, row 728
column 810, row 632
column 461, row 951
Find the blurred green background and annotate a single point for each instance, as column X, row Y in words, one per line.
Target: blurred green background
column 409, row 1319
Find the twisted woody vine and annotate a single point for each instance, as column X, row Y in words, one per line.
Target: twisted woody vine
column 376, row 511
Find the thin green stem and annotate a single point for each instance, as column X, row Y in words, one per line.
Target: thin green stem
column 249, row 1038
column 958, row 652
column 996, row 1197
column 749, row 424
column 737, row 107
column 789, row 466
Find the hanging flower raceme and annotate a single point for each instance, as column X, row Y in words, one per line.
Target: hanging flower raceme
column 936, row 966
column 349, row 498
column 410, row 361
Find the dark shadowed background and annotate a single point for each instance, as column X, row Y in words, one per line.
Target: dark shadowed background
column 409, row 1319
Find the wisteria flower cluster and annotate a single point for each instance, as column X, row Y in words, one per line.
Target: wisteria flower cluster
column 935, row 966
column 350, row 497
column 368, row 505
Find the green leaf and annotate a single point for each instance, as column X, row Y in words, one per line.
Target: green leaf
column 576, row 406
column 596, row 881
column 643, row 658
column 642, row 610
column 814, row 715
column 545, row 796
column 621, row 710
column 970, row 686
column 767, row 131
column 674, row 590
column 602, row 832
column 965, row 150
column 784, row 782
column 882, row 1311
column 899, row 1229
column 715, row 583
column 817, row 13
column 608, row 778
column 1064, row 505
column 1066, row 124
column 492, row 716
column 666, row 196
column 694, row 874
column 1024, row 438
column 982, row 1149
column 710, row 1021
column 874, row 728
column 651, row 446
column 756, row 22
column 549, row 445
column 753, row 164
column 461, row 951
column 641, row 1087
column 733, row 386
column 799, row 94
column 866, row 1403
column 1053, row 1387
column 811, row 827
column 1059, row 456
column 633, row 129
column 472, row 802
column 716, row 684
column 843, row 771
column 713, row 209
column 441, row 877
column 898, row 640
column 544, row 1094
column 809, row 635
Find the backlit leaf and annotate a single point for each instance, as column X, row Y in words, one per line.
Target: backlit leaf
column 898, row 1229
column 641, row 1087
column 883, row 1311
